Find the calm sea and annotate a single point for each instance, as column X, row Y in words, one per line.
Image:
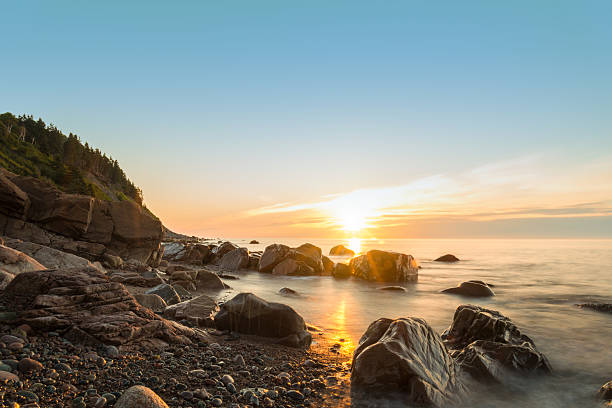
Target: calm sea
column 537, row 284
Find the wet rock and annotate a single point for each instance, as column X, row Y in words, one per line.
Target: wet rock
column 166, row 292
column 288, row 292
column 311, row 255
column 408, row 356
column 385, row 266
column 208, row 280
column 449, row 258
column 328, row 266
column 472, row 289
column 272, row 256
column 249, row 314
column 235, row 259
column 151, row 301
column 139, row 396
column 393, row 288
column 605, row 392
column 341, row 250
column 599, row 307
column 342, row 271
column 253, row 242
column 291, row 267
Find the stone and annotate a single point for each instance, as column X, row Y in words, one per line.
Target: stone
column 223, row 249
column 605, row 392
column 28, row 365
column 88, row 309
column 13, row 262
column 406, row 355
column 166, row 292
column 341, row 250
column 342, row 271
column 139, row 396
column 272, row 256
column 598, row 307
column 393, row 288
column 472, row 289
column 448, row 258
column 235, row 259
column 151, row 301
column 291, row 267
column 249, row 314
column 197, row 310
column 383, row 266
column 112, row 261
column 288, row 292
column 328, row 266
column 254, row 241
column 208, row 280
column 13, row 201
column 311, row 255
column 6, row 376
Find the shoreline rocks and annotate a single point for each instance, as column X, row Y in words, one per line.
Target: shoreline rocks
column 341, row 250
column 383, row 266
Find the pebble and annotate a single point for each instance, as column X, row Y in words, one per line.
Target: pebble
column 28, row 365
column 295, row 394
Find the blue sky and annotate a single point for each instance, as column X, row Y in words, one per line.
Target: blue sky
column 221, row 109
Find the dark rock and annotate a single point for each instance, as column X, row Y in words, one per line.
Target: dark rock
column 197, row 310
column 249, row 314
column 472, row 289
column 235, row 259
column 166, row 292
column 151, row 301
column 253, row 242
column 288, row 292
column 342, row 271
column 272, row 256
column 599, row 307
column 385, row 266
column 291, row 267
column 28, row 365
column 449, row 258
column 406, row 355
column 208, row 280
column 605, row 392
column 393, row 288
column 13, row 201
column 328, row 266
column 341, row 250
column 311, row 255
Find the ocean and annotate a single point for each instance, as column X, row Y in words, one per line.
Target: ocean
column 537, row 284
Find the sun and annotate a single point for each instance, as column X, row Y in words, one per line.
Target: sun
column 352, row 220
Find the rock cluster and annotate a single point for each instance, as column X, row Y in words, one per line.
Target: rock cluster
column 35, row 211
column 383, row 266
column 405, row 355
column 305, row 260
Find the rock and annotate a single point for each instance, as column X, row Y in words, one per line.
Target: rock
column 449, row 258
column 208, row 280
column 393, row 288
column 166, row 292
column 112, row 261
column 599, row 307
column 194, row 254
column 342, row 271
column 223, row 249
column 406, row 355
column 51, row 258
column 89, row 309
column 5, row 376
column 253, row 242
column 13, row 201
column 13, row 262
column 328, row 266
column 605, row 392
column 472, row 289
column 151, row 301
column 487, row 344
column 27, row 365
column 311, row 255
column 235, row 259
column 249, row 314
column 341, row 250
column 139, row 396
column 291, row 267
column 385, row 266
column 197, row 310
column 288, row 292
column 272, row 256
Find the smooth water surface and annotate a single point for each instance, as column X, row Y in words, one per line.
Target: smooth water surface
column 537, row 284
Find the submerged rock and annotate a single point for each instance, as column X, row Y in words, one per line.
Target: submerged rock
column 341, row 250
column 393, row 288
column 471, row 288
column 385, row 266
column 448, row 258
column 249, row 314
column 288, row 292
column 406, row 355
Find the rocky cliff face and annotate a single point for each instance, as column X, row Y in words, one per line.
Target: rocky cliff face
column 35, row 211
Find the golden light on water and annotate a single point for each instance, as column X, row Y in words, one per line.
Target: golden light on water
column 342, row 338
column 355, row 245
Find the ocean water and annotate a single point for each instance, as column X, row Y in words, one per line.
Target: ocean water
column 537, row 284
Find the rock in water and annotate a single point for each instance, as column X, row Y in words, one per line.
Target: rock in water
column 393, row 288
column 288, row 292
column 272, row 256
column 291, row 267
column 487, row 344
column 605, row 392
column 342, row 271
column 341, row 250
column 249, row 314
column 472, row 289
column 385, row 266
column 407, row 356
column 599, row 307
column 254, row 241
column 139, row 396
column 235, row 259
column 448, row 258
column 328, row 266
column 208, row 280
column 89, row 309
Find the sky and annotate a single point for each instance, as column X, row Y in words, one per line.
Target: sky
column 386, row 119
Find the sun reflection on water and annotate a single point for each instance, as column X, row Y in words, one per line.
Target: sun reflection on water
column 355, row 245
column 342, row 340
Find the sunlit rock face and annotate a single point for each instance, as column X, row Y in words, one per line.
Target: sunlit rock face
column 406, row 355
column 341, row 250
column 383, row 266
column 305, row 260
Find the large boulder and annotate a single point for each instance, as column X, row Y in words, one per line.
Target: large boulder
column 223, row 249
column 272, row 256
column 342, row 271
column 471, row 289
column 487, row 345
column 406, row 355
column 605, row 393
column 198, row 310
column 291, row 267
column 235, row 259
column 13, row 201
column 311, row 255
column 249, row 314
column 194, row 254
column 166, row 292
column 208, row 280
column 328, row 266
column 385, row 266
column 13, row 262
column 151, row 301
column 85, row 307
column 140, row 396
column 341, row 250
